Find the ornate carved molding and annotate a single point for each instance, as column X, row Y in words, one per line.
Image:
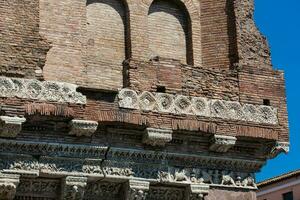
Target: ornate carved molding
column 222, row 143
column 10, row 127
column 157, row 137
column 280, row 147
column 199, row 106
column 8, row 186
column 166, row 193
column 52, row 149
column 74, row 188
column 154, row 173
column 137, row 190
column 103, row 190
column 83, row 127
column 197, row 192
column 48, row 91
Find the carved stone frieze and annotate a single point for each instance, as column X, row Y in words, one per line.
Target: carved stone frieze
column 73, row 188
column 221, row 143
column 39, row 187
column 280, row 147
column 8, row 186
column 10, row 127
column 199, row 106
column 48, row 91
column 157, row 137
column 137, row 190
column 83, row 127
column 52, row 149
column 166, row 193
column 103, row 190
column 197, row 192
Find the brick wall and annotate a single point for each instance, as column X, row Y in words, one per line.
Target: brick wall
column 106, row 25
column 168, row 31
column 22, row 49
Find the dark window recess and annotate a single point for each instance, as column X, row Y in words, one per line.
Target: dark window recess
column 267, row 102
column 288, row 196
column 161, row 89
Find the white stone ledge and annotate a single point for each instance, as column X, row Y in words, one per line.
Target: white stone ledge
column 199, row 106
column 48, row 91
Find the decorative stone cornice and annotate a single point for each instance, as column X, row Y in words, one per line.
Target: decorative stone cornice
column 280, row 147
column 52, row 149
column 83, row 127
column 197, row 192
column 222, row 143
column 10, row 127
column 48, row 91
column 157, row 137
column 137, row 190
column 199, row 106
column 73, row 188
column 8, row 186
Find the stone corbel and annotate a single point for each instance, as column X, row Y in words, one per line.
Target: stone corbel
column 83, row 127
column 222, row 143
column 137, row 190
column 10, row 127
column 198, row 192
column 73, row 188
column 8, row 186
column 280, row 147
column 157, row 137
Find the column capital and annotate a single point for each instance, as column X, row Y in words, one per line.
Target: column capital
column 137, row 190
column 73, row 188
column 10, row 127
column 222, row 143
column 198, row 191
column 8, row 185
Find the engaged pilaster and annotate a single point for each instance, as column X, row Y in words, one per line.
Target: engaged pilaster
column 10, row 127
column 157, row 137
column 8, row 186
column 83, row 127
column 198, row 192
column 137, row 190
column 222, row 143
column 73, row 188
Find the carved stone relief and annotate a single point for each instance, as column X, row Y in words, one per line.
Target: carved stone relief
column 10, row 127
column 40, row 90
column 280, row 147
column 8, row 186
column 221, row 143
column 73, row 188
column 83, row 127
column 157, row 137
column 137, row 190
column 166, row 193
column 103, row 190
column 186, row 105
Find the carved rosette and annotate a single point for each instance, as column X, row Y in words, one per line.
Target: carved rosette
column 137, row 190
column 198, row 192
column 199, row 106
column 83, row 127
column 48, row 91
column 157, row 137
column 8, row 186
column 222, row 143
column 10, row 127
column 280, row 147
column 74, row 188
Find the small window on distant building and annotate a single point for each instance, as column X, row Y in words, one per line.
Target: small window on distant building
column 288, row 196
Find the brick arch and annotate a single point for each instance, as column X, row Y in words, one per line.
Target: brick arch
column 108, row 41
column 195, row 30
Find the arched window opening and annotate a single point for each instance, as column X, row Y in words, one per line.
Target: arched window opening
column 108, row 40
column 169, row 31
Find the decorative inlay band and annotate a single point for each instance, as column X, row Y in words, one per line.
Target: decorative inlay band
column 40, row 90
column 199, row 106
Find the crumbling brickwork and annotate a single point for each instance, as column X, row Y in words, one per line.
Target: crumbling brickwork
column 22, row 49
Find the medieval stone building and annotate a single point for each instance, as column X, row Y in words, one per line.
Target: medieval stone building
column 136, row 100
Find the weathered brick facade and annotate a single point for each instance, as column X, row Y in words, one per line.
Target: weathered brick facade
column 136, row 99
